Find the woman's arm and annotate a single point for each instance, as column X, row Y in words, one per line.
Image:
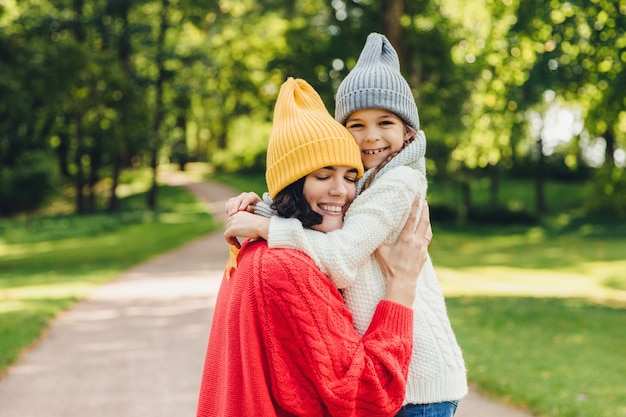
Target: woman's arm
column 375, row 217
column 312, row 345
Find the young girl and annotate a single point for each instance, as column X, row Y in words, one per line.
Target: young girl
column 276, row 302
column 377, row 106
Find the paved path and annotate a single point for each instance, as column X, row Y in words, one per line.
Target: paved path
column 136, row 346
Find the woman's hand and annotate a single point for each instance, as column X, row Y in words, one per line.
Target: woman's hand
column 244, row 224
column 243, row 202
column 402, row 261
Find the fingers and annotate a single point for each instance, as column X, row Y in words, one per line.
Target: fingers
column 244, row 201
column 412, row 220
column 424, row 229
column 429, row 234
column 417, row 225
column 232, row 240
column 230, row 235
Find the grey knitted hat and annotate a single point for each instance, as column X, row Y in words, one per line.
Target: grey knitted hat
column 376, row 82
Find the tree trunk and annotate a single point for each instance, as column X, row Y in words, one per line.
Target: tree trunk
column 494, row 186
column 124, row 50
column 79, row 181
column 115, row 179
column 91, row 197
column 540, row 200
column 152, row 193
column 610, row 148
column 95, row 163
column 63, row 150
column 158, row 111
column 466, row 198
column 391, row 12
column 181, row 152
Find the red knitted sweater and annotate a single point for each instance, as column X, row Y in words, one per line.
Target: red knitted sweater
column 282, row 343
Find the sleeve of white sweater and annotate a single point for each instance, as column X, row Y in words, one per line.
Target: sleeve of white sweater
column 376, row 216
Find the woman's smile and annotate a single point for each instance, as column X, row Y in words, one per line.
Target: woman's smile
column 331, row 209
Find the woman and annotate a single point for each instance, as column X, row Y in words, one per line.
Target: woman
column 376, row 105
column 282, row 341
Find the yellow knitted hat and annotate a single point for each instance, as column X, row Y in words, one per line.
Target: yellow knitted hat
column 305, row 138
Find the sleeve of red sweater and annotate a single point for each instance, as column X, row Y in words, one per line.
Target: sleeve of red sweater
column 318, row 362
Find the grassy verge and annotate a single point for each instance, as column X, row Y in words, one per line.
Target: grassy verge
column 555, row 357
column 539, row 313
column 48, row 263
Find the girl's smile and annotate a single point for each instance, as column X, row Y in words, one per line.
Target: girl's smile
column 379, row 133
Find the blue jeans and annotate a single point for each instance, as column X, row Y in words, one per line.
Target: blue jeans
column 444, row 409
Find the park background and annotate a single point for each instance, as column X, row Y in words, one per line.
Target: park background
column 522, row 103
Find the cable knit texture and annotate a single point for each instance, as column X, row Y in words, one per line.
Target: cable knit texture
column 283, row 343
column 437, row 372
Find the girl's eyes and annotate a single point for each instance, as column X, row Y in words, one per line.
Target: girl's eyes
column 360, row 125
column 350, row 179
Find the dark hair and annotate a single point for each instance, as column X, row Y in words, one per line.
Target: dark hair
column 376, row 169
column 290, row 203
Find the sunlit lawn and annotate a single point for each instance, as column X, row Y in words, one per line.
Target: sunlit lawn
column 558, row 357
column 532, row 261
column 540, row 316
column 539, row 313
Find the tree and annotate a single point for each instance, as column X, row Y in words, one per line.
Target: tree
column 580, row 53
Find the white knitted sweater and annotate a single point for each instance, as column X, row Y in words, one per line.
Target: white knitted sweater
column 437, row 370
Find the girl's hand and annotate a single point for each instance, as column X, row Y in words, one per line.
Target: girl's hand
column 402, row 261
column 243, row 202
column 247, row 225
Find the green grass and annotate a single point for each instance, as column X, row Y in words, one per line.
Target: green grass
column 48, row 263
column 586, row 262
column 556, row 357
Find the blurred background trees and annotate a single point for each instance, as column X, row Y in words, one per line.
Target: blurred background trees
column 529, row 89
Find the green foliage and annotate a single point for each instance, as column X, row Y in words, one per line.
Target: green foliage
column 243, row 182
column 556, row 357
column 92, row 84
column 28, row 184
column 609, row 199
column 248, row 152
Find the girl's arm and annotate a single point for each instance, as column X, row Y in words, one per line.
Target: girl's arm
column 376, row 216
